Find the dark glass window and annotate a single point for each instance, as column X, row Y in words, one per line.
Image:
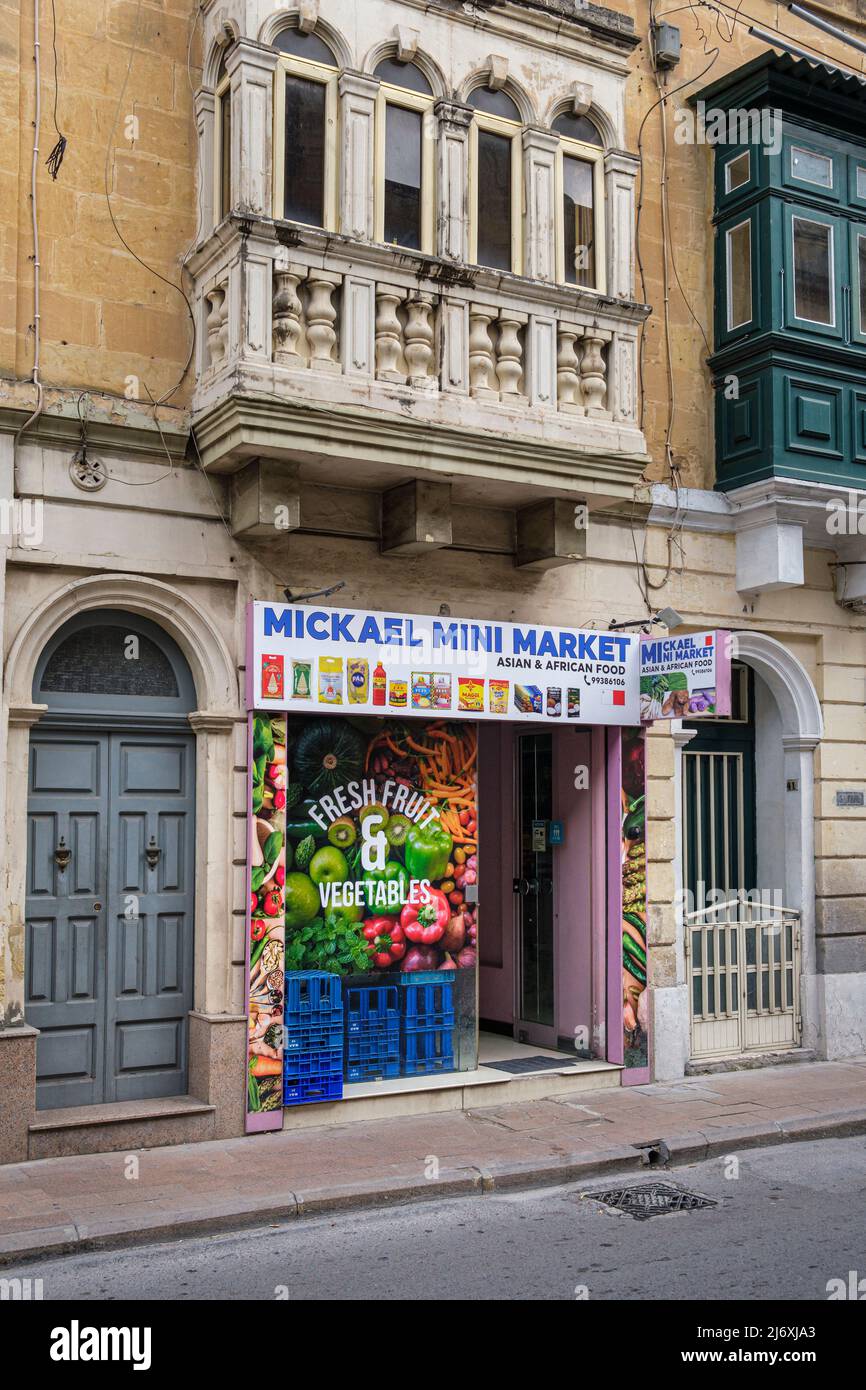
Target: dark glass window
column 578, row 221
column 304, row 165
column 813, row 271
column 109, row 661
column 494, row 103
column 308, row 46
column 578, row 128
column 493, row 211
column 403, row 75
column 225, row 118
column 403, row 137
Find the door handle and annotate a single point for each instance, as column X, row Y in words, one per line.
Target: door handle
column 520, row 885
column 152, row 853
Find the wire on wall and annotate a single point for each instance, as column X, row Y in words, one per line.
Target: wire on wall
column 34, row 212
column 55, row 159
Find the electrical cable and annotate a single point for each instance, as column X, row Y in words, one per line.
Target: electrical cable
column 55, row 159
column 34, row 210
column 178, row 289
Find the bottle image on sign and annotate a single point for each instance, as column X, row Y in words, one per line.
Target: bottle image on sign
column 380, row 685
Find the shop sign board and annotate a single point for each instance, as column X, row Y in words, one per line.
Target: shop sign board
column 685, row 677
column 354, row 661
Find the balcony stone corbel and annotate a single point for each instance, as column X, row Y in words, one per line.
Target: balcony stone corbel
column 251, row 68
column 265, row 500
column 550, row 534
column 416, row 517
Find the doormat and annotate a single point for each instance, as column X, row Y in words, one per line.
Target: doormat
column 516, row 1065
column 650, row 1199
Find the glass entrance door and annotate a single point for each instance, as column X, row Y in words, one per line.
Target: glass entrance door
column 533, row 887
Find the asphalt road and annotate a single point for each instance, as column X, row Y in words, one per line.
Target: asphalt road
column 789, row 1220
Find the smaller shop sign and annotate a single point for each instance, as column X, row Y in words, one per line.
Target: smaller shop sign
column 685, row 677
column 555, row 833
column 539, row 836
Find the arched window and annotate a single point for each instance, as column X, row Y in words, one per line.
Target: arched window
column 580, row 203
column 404, row 157
column 305, row 133
column 223, row 143
column 496, row 182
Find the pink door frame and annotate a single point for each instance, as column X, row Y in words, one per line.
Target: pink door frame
column 592, row 957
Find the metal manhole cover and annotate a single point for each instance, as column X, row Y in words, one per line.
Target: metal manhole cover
column 651, row 1199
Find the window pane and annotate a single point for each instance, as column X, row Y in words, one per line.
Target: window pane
column 225, row 153
column 579, row 221
column 737, row 172
column 403, row 177
column 861, row 279
column 494, row 103
column 739, row 257
column 304, row 197
column 578, row 128
column 812, row 168
column 813, row 271
column 308, row 46
column 403, row 75
column 493, row 211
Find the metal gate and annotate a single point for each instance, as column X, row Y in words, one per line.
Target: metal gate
column 743, row 968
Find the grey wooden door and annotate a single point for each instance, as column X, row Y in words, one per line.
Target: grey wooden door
column 109, row 945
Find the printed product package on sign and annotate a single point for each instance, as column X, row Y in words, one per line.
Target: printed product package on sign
column 307, row 659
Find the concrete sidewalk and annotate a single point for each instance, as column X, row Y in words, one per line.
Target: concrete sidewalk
column 58, row 1205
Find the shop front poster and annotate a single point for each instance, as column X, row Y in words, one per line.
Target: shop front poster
column 634, row 909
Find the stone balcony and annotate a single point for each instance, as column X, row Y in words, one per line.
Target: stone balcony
column 364, row 365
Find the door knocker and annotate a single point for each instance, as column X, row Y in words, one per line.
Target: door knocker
column 62, row 855
column 152, row 853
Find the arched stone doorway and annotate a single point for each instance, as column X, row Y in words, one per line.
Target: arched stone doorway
column 195, row 618
column 763, row 815
column 110, row 863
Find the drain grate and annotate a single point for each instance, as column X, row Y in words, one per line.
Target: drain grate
column 651, row 1199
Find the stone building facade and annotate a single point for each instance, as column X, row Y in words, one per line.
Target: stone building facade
column 421, row 400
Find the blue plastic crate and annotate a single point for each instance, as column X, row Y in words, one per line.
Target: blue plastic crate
column 373, row 1056
column 371, row 1007
column 430, row 1050
column 312, row 1076
column 317, row 1038
column 314, row 999
column 427, row 1001
column 313, row 1090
